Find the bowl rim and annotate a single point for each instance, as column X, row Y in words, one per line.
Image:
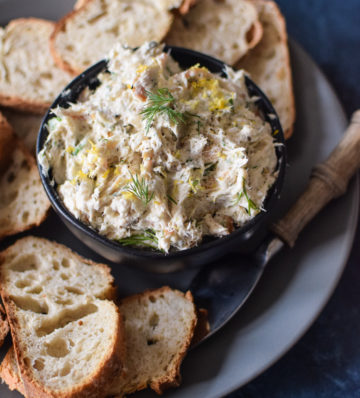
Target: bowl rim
column 88, row 77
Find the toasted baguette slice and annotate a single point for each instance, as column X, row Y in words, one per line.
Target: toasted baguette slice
column 86, row 35
column 29, row 78
column 159, row 327
column 67, row 334
column 4, row 325
column 224, row 29
column 269, row 64
column 23, row 202
column 9, row 372
column 25, row 125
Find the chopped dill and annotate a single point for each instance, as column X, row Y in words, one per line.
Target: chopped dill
column 187, row 114
column 140, row 189
column 199, row 124
column 194, row 185
column 251, row 204
column 161, row 103
column 52, row 123
column 209, row 167
column 172, row 199
column 147, row 239
column 77, row 149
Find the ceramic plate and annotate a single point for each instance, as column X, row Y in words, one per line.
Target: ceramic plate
column 296, row 285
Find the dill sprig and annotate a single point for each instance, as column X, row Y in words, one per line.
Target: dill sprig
column 140, row 189
column 147, row 239
column 251, row 204
column 209, row 167
column 161, row 103
column 77, row 149
column 172, row 199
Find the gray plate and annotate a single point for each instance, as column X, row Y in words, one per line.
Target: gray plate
column 294, row 288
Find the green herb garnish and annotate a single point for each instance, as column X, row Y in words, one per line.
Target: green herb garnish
column 140, row 189
column 161, row 103
column 77, row 149
column 251, row 204
column 172, row 199
column 209, row 167
column 199, row 124
column 188, row 114
column 194, row 184
column 147, row 239
column 52, row 123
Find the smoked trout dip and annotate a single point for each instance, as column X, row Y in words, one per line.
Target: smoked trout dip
column 158, row 156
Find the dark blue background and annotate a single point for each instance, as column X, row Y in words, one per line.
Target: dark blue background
column 326, row 361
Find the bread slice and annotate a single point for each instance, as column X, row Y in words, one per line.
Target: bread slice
column 25, row 125
column 86, row 35
column 269, row 64
column 29, row 78
column 67, row 334
column 23, row 202
column 9, row 372
column 159, row 326
column 225, row 29
column 4, row 325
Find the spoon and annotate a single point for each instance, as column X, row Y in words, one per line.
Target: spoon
column 223, row 288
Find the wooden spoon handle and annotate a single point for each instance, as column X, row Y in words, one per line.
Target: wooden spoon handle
column 328, row 181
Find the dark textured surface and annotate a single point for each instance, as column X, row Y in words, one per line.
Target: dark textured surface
column 326, row 361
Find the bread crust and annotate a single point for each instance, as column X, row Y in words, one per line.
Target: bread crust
column 7, row 143
column 4, row 325
column 185, row 6
column 9, row 372
column 255, row 34
column 33, row 107
column 109, row 368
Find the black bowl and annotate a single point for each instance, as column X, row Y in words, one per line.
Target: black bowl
column 211, row 248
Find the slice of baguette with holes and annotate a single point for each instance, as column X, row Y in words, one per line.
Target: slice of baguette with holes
column 269, row 64
column 23, row 202
column 29, row 78
column 67, row 334
column 159, row 327
column 225, row 29
column 86, row 35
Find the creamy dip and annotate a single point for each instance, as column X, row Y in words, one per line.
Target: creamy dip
column 158, row 156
